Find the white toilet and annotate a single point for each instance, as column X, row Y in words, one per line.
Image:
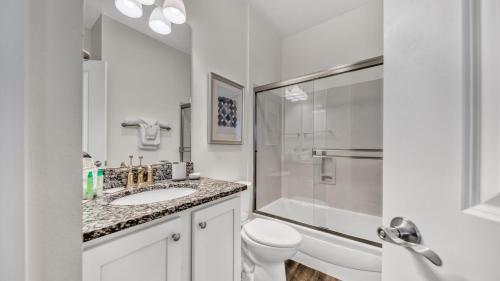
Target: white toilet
column 266, row 245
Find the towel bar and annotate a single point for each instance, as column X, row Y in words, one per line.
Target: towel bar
column 126, row 125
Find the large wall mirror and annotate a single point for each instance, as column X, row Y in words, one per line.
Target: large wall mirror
column 136, row 87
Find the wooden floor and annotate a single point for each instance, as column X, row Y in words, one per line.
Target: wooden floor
column 299, row 272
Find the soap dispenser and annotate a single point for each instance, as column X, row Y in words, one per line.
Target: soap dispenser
column 89, row 191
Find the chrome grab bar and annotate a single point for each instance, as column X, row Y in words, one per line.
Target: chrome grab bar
column 404, row 232
column 349, row 153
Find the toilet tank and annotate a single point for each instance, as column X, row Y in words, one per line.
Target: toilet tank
column 246, row 200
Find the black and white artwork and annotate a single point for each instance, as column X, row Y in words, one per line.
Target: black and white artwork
column 226, row 111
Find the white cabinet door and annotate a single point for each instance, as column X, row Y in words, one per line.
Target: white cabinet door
column 152, row 254
column 216, row 242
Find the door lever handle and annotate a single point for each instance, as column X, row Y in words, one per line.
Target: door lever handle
column 404, row 232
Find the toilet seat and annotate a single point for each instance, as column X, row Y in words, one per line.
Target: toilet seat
column 272, row 233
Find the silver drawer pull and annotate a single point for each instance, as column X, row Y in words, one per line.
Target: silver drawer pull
column 203, row 225
column 176, row 237
column 404, row 232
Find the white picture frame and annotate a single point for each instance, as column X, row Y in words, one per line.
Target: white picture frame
column 225, row 111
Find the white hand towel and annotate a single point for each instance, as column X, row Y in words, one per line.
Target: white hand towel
column 152, row 131
column 149, row 135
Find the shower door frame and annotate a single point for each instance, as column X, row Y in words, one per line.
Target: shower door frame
column 183, row 149
column 337, row 70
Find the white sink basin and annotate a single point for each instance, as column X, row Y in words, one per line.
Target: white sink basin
column 154, row 196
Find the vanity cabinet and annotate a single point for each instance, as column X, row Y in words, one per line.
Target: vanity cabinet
column 216, row 240
column 151, row 254
column 205, row 239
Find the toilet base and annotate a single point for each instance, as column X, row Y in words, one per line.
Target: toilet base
column 270, row 272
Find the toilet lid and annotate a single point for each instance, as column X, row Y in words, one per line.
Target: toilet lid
column 272, row 233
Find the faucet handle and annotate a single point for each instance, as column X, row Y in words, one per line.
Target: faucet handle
column 131, row 157
column 140, row 160
column 149, row 170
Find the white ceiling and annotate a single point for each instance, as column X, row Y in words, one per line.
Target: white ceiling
column 288, row 17
column 292, row 16
column 180, row 38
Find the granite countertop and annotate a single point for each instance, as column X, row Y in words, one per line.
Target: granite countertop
column 100, row 218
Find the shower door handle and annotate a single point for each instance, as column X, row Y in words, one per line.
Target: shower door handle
column 404, row 232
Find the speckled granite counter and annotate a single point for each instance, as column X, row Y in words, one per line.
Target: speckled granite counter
column 100, row 218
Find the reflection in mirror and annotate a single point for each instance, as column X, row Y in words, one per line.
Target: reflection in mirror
column 185, row 148
column 138, row 76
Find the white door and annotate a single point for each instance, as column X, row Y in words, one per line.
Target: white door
column 217, row 242
column 441, row 136
column 94, row 109
column 152, row 254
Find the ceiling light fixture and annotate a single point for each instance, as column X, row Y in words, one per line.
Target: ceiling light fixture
column 158, row 23
column 174, row 11
column 295, row 93
column 162, row 17
column 130, row 8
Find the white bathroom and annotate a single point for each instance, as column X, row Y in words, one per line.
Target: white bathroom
column 250, row 140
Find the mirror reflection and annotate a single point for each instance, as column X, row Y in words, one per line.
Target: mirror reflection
column 136, row 86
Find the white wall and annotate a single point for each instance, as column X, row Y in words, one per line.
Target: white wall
column 350, row 37
column 52, row 144
column 146, row 79
column 40, row 114
column 264, row 50
column 87, row 39
column 12, row 187
column 239, row 44
column 219, row 44
column 95, row 40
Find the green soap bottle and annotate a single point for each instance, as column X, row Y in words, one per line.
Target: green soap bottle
column 89, row 192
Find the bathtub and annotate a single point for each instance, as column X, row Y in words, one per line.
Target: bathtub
column 336, row 256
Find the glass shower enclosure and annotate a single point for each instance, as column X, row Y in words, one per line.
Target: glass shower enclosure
column 318, row 150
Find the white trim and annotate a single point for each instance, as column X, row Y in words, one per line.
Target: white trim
column 485, row 211
column 479, row 87
column 471, row 58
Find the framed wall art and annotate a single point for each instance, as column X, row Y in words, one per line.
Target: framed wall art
column 225, row 112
